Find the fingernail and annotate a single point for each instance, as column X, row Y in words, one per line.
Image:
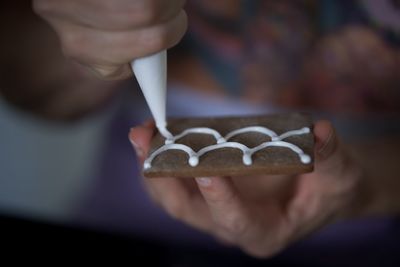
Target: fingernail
column 203, row 181
column 329, row 146
column 138, row 149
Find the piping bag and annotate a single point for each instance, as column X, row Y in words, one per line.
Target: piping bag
column 151, row 74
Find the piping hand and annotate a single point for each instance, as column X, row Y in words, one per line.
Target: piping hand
column 106, row 35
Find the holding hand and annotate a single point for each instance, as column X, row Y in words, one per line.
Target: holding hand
column 106, row 35
column 245, row 212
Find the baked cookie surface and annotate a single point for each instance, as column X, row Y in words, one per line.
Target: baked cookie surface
column 233, row 146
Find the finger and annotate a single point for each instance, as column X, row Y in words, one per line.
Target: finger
column 319, row 196
column 102, row 47
column 226, row 206
column 108, row 53
column 171, row 193
column 110, row 15
column 180, row 202
column 140, row 137
column 330, row 158
column 325, row 138
column 306, row 201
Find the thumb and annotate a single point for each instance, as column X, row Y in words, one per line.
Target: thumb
column 329, row 157
column 325, row 139
column 318, row 192
column 334, row 165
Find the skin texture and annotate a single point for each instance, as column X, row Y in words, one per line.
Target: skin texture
column 262, row 215
column 106, row 35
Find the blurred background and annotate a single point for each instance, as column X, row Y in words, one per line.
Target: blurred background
column 67, row 169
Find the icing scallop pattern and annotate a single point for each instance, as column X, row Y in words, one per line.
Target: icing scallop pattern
column 223, row 142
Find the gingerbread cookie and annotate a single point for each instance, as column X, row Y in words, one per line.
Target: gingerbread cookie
column 233, row 146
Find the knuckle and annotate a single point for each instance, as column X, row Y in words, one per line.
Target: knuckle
column 217, row 198
column 72, row 44
column 235, row 225
column 175, row 209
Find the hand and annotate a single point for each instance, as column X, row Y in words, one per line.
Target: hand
column 263, row 222
column 106, row 35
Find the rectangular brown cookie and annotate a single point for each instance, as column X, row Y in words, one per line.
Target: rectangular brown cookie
column 228, row 161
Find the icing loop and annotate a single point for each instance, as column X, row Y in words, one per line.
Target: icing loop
column 198, row 130
column 240, row 146
column 222, row 142
column 188, row 150
column 304, row 130
column 258, row 129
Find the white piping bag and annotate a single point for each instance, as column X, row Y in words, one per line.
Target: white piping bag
column 151, row 74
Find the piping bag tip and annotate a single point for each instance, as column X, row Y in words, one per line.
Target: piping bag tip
column 151, row 74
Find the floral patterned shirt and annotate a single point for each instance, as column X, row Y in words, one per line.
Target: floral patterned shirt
column 339, row 56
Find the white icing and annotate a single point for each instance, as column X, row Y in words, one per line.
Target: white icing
column 197, row 130
column 164, row 132
column 193, row 158
column 240, row 146
column 222, row 142
column 304, row 158
column 258, row 129
column 304, row 130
